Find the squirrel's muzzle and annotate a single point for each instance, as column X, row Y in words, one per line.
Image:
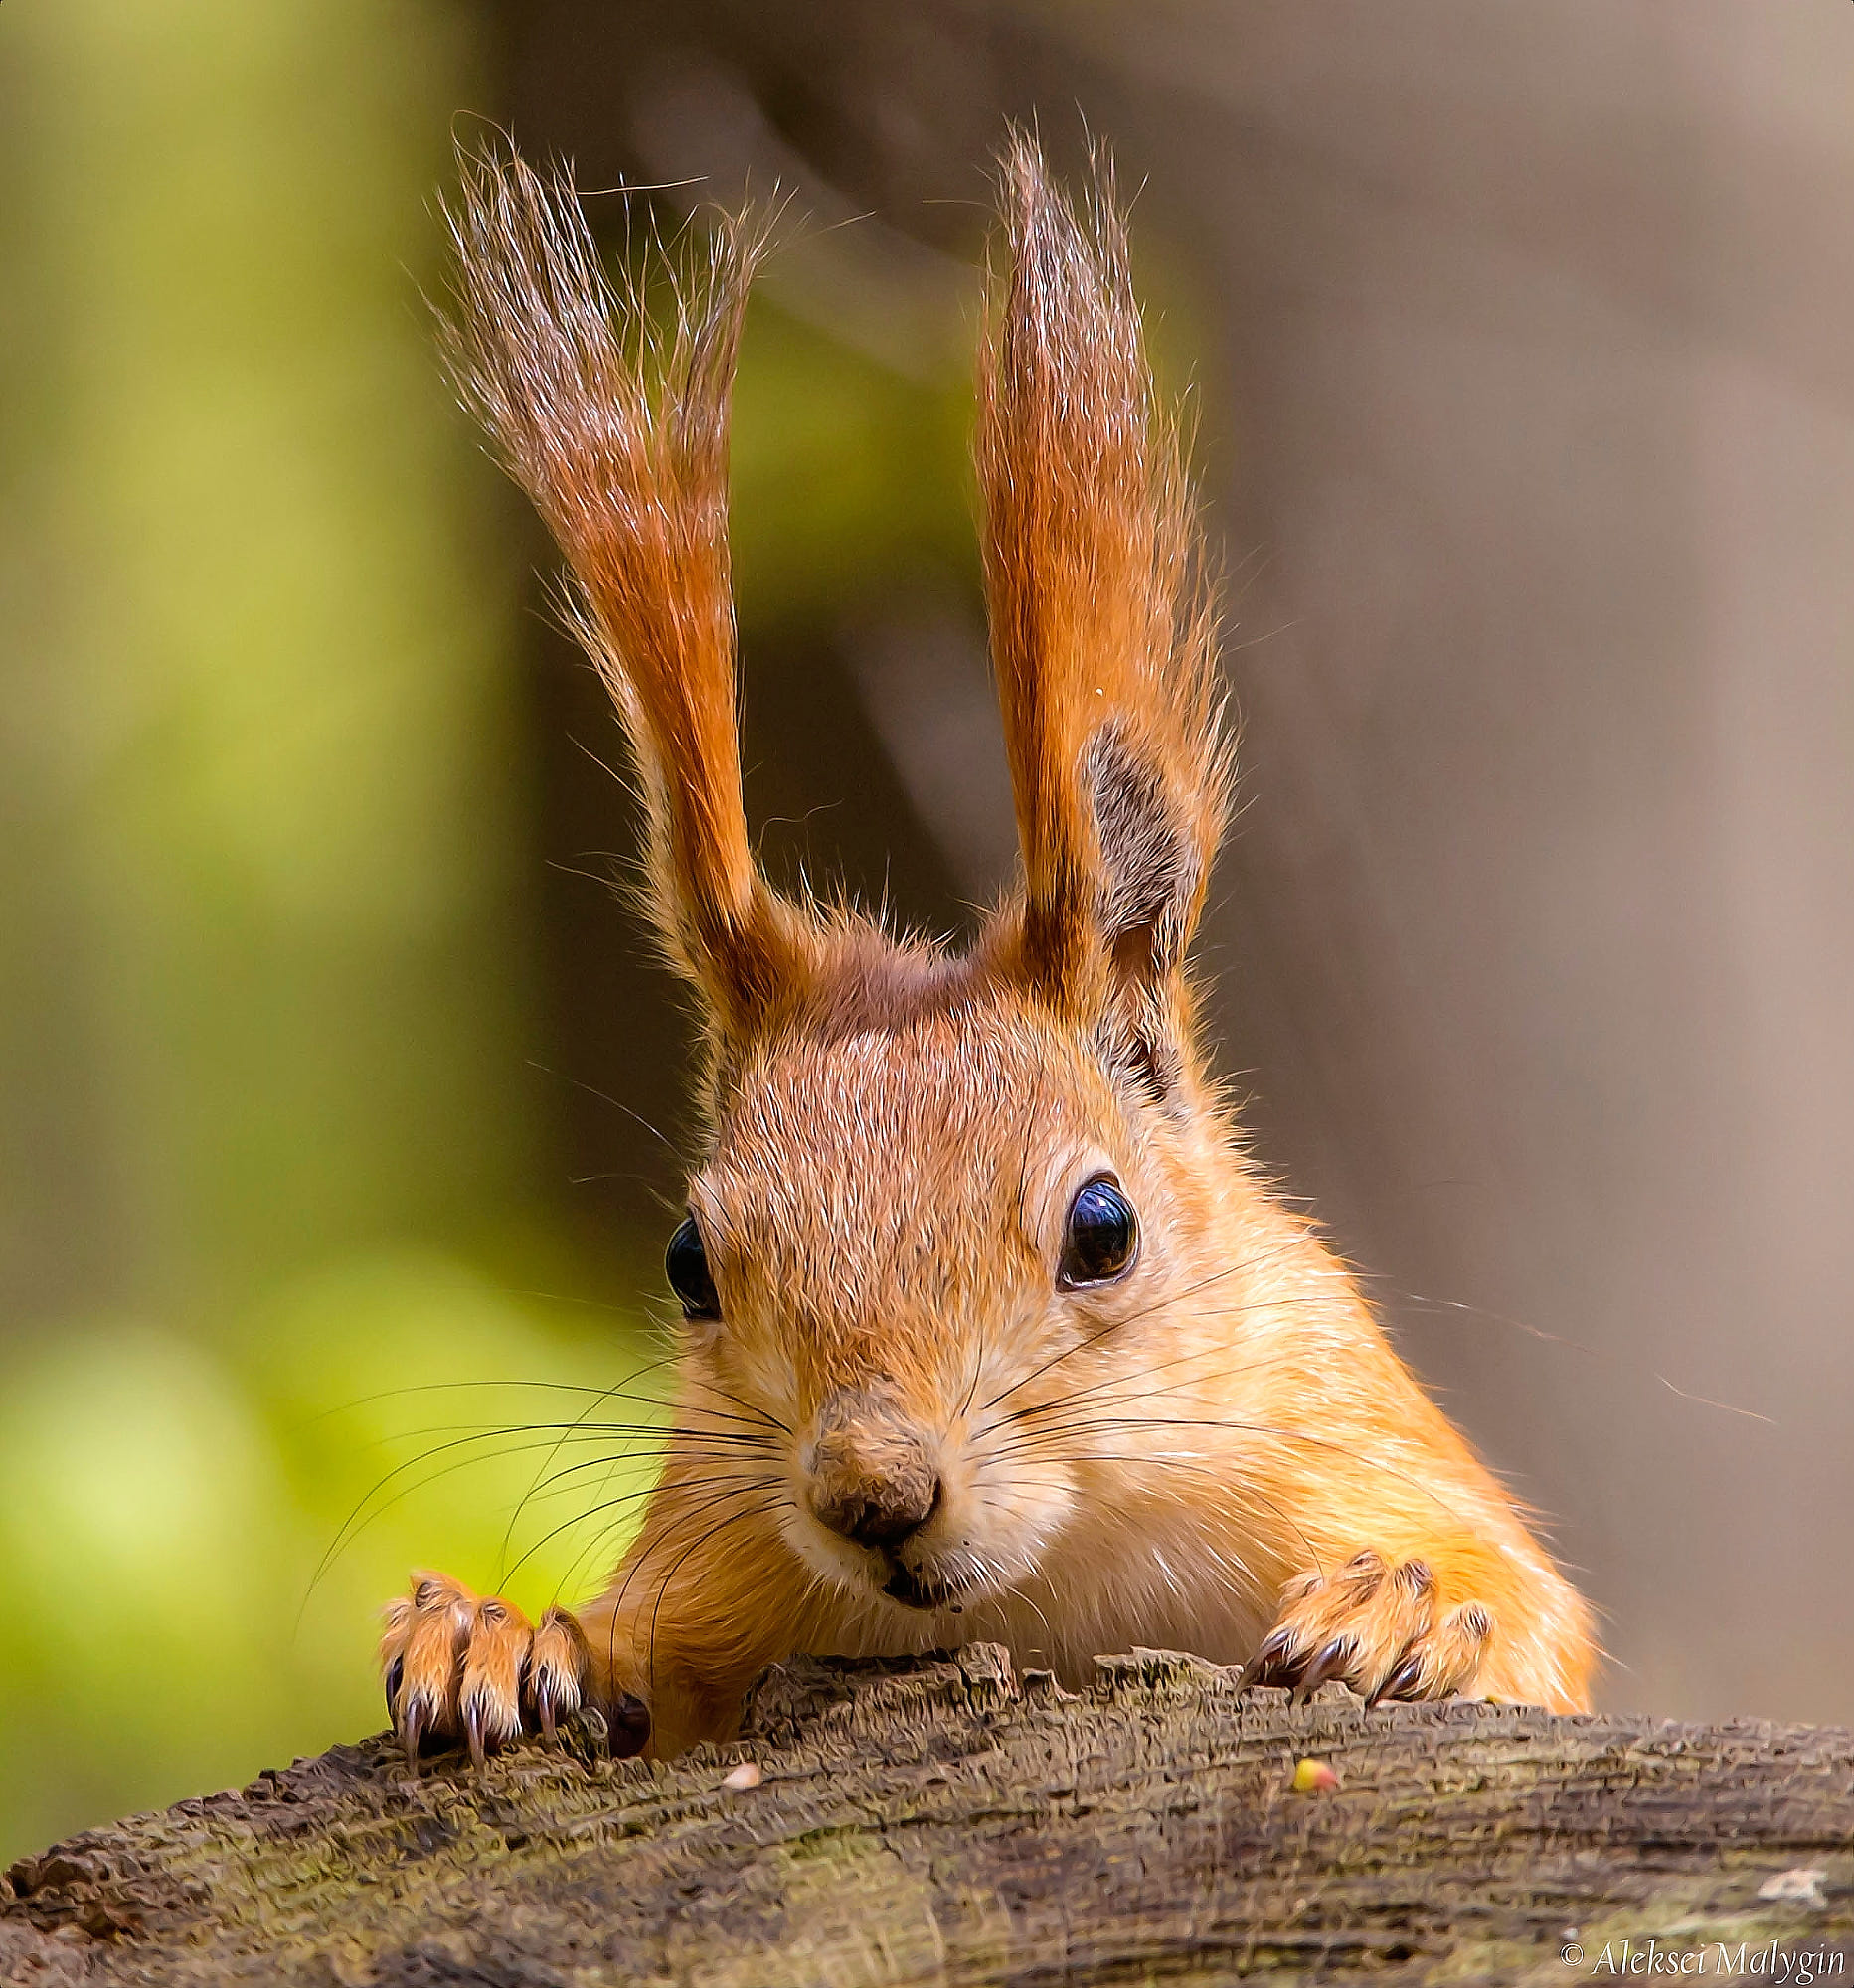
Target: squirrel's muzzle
column 873, row 1477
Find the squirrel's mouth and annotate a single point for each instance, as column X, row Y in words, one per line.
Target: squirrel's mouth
column 914, row 1588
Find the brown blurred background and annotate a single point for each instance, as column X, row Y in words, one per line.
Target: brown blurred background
column 1518, row 343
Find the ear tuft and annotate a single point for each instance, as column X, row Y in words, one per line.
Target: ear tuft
column 1102, row 613
column 613, row 417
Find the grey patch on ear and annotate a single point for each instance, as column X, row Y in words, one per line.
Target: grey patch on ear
column 1142, row 1057
column 1151, row 864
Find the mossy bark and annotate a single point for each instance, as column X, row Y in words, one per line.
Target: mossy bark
column 942, row 1821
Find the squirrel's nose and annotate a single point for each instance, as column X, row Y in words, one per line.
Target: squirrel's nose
column 875, row 1478
column 880, row 1515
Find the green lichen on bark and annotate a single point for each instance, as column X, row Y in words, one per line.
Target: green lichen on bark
column 942, row 1821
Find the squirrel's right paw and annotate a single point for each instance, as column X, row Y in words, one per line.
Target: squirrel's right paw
column 459, row 1666
column 1383, row 1629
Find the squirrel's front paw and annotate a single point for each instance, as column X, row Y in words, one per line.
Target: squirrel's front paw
column 457, row 1665
column 1384, row 1630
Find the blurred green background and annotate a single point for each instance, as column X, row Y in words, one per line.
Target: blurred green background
column 341, row 1108
column 269, row 1147
column 310, row 1240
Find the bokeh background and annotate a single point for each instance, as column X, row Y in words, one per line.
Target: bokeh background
column 339, row 1105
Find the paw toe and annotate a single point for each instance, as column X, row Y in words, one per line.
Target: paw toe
column 1334, row 1659
column 555, row 1670
column 454, row 1667
column 1377, row 1626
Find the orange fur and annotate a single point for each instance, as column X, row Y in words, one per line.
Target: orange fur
column 904, row 1429
column 619, row 432
column 1103, row 625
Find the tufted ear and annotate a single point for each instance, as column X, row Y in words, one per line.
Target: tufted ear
column 1104, row 623
column 617, row 429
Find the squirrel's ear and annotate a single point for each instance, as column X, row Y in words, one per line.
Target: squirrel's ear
column 1104, row 623
column 616, row 425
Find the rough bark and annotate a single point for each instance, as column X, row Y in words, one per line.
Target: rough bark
column 945, row 1822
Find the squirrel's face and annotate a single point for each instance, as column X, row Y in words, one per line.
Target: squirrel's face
column 918, row 1252
column 951, row 1201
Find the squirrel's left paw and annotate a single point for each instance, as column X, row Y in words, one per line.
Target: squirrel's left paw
column 1382, row 1629
column 461, row 1666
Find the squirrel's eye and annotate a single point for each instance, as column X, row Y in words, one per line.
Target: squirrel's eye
column 687, row 1263
column 1103, row 1237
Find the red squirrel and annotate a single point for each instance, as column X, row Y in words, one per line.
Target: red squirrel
column 992, row 1328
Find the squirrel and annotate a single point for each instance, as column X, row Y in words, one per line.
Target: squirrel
column 992, row 1327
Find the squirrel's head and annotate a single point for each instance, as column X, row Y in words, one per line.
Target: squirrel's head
column 983, row 1213
column 941, row 1192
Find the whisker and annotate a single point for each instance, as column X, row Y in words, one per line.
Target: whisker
column 1038, row 1441
column 733, row 1486
column 1605, row 1355
column 651, row 1545
column 355, row 1522
column 515, row 1515
column 605, row 1504
column 663, row 1586
column 551, row 1435
column 592, row 1092
column 662, row 1538
column 443, row 1387
column 1136, row 1318
column 1119, row 1380
column 1209, row 1468
column 752, row 1411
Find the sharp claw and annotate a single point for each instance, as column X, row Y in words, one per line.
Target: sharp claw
column 474, row 1727
column 410, row 1729
column 544, row 1708
column 1381, row 1688
column 1262, row 1667
column 1329, row 1663
column 1289, row 1670
column 1403, row 1681
column 395, row 1672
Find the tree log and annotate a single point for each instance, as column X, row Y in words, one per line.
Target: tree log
column 942, row 1821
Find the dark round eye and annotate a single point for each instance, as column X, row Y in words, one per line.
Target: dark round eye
column 1103, row 1237
column 687, row 1263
